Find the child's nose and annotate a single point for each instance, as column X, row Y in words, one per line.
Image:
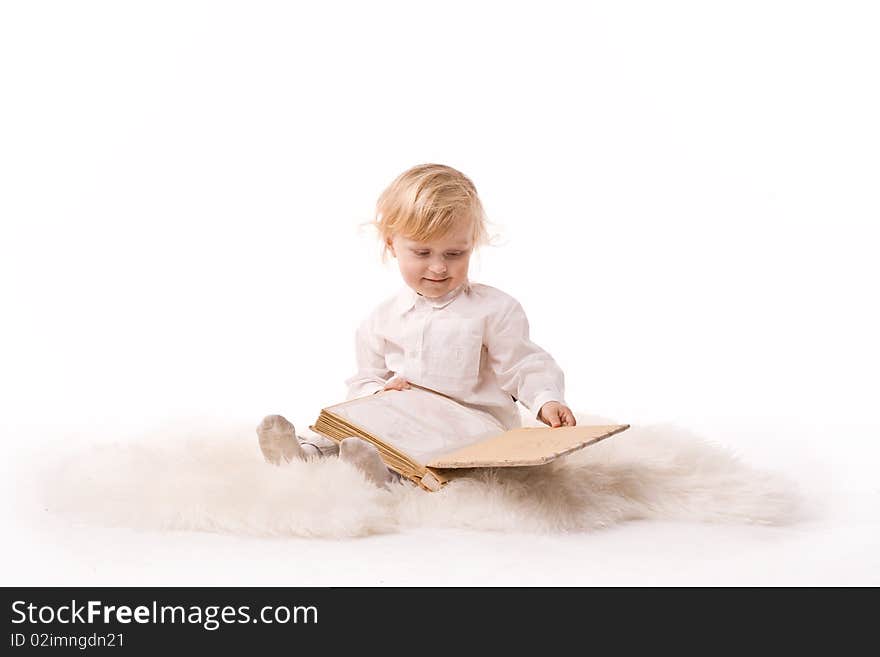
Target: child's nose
column 439, row 267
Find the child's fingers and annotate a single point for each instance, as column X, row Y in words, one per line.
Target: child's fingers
column 566, row 417
column 549, row 415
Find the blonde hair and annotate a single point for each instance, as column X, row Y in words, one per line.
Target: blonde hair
column 427, row 202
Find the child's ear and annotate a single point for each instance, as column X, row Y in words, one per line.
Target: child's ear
column 390, row 246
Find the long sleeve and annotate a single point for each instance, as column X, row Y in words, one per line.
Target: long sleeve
column 372, row 372
column 521, row 367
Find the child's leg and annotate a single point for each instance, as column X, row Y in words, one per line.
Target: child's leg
column 366, row 458
column 314, row 444
column 279, row 443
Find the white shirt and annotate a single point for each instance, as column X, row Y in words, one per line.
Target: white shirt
column 471, row 344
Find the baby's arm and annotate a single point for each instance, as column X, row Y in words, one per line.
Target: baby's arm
column 372, row 373
column 524, row 370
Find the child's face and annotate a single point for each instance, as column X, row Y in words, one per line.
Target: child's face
column 435, row 267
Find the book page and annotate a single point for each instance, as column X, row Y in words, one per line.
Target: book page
column 420, row 423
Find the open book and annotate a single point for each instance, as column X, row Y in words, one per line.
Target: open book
column 421, row 433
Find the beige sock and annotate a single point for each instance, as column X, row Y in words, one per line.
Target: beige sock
column 366, row 458
column 278, row 442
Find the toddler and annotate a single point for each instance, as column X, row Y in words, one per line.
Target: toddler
column 466, row 340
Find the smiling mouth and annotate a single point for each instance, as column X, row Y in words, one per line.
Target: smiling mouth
column 440, row 280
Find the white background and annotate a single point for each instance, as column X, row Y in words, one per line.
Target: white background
column 685, row 196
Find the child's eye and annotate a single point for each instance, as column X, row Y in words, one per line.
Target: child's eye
column 422, row 254
column 454, row 254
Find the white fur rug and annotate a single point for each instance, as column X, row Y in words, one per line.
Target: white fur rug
column 218, row 482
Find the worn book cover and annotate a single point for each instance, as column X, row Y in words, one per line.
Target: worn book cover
column 423, row 434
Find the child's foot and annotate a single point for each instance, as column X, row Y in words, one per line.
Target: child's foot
column 365, row 457
column 278, row 440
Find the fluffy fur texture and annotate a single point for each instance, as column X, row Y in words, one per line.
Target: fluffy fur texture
column 218, row 482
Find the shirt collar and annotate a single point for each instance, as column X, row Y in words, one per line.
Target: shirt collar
column 408, row 298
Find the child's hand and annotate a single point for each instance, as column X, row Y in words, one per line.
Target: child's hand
column 397, row 383
column 556, row 414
